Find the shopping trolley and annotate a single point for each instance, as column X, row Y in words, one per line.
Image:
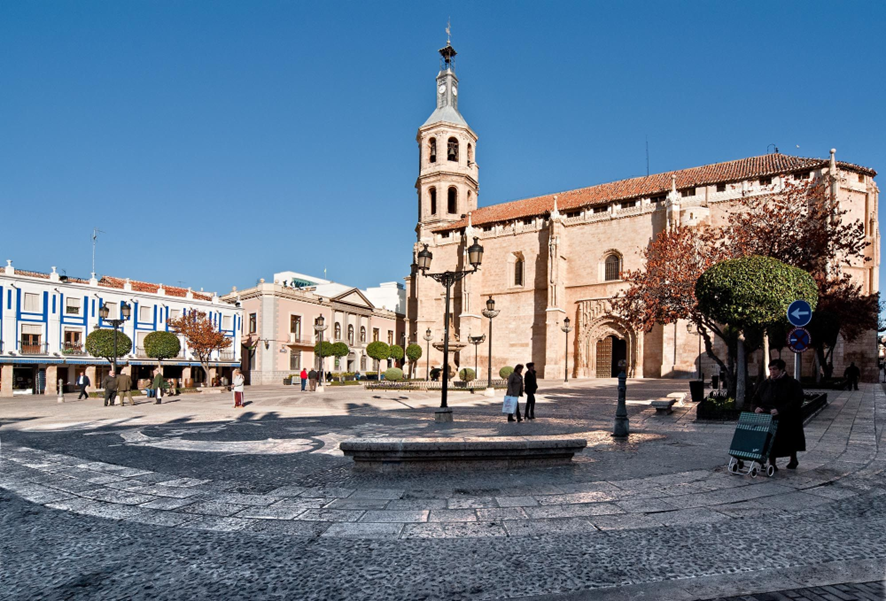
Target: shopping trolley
column 752, row 442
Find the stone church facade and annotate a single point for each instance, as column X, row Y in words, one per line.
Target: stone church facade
column 561, row 255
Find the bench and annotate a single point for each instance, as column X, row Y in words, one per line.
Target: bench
column 444, row 454
column 663, row 406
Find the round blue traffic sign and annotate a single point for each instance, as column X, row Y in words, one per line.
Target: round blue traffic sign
column 799, row 340
column 799, row 313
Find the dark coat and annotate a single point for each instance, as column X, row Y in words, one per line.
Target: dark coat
column 515, row 385
column 531, row 382
column 786, row 395
column 852, row 373
column 124, row 382
column 85, row 382
column 109, row 383
column 312, row 375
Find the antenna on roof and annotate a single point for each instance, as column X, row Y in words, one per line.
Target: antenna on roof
column 774, row 146
column 647, row 156
column 95, row 233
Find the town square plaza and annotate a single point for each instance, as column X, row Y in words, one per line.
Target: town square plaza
column 193, row 499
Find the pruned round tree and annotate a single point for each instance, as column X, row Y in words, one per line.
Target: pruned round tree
column 413, row 354
column 339, row 350
column 467, row 374
column 751, row 293
column 162, row 345
column 379, row 351
column 396, row 352
column 100, row 343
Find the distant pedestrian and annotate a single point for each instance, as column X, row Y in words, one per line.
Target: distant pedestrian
column 124, row 389
column 109, row 383
column 237, row 386
column 782, row 396
column 159, row 385
column 312, row 378
column 852, row 374
column 515, row 389
column 304, row 378
column 83, row 382
column 531, row 384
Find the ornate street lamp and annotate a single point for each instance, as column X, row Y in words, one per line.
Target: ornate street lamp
column 490, row 313
column 476, row 341
column 428, row 337
column 319, row 326
column 566, row 329
column 448, row 278
column 125, row 312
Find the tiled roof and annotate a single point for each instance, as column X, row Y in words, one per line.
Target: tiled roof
column 111, row 282
column 652, row 185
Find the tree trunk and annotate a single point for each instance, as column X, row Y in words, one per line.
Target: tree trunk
column 741, row 376
column 765, row 364
column 205, row 367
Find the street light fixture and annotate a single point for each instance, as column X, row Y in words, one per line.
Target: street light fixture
column 476, row 341
column 566, row 329
column 490, row 313
column 428, row 337
column 319, row 326
column 448, row 278
column 125, row 313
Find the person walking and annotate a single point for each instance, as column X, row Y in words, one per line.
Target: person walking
column 515, row 389
column 83, row 382
column 782, row 396
column 531, row 384
column 159, row 385
column 304, row 378
column 124, row 389
column 237, row 384
column 312, row 378
column 852, row 374
column 109, row 383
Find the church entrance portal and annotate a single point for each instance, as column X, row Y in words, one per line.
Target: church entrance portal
column 610, row 351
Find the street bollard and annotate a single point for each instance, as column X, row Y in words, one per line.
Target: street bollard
column 621, row 412
column 61, row 392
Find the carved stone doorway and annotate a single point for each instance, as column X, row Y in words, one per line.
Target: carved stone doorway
column 610, row 351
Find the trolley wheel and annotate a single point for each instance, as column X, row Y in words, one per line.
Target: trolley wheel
column 770, row 471
column 740, row 464
column 733, row 465
column 753, row 472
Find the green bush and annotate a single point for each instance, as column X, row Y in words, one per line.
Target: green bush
column 394, row 374
column 505, row 371
column 435, row 373
column 467, row 374
column 162, row 345
column 100, row 343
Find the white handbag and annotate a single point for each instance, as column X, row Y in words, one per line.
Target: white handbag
column 509, row 405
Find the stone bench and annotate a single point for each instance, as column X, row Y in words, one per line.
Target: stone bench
column 663, row 406
column 444, row 454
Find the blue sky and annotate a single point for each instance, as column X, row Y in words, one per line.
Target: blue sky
column 218, row 142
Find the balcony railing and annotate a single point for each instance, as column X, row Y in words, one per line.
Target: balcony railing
column 73, row 348
column 226, row 355
column 141, row 353
column 34, row 349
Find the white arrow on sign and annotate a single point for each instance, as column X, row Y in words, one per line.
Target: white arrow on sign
column 797, row 313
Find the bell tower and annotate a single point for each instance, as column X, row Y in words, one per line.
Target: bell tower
column 447, row 181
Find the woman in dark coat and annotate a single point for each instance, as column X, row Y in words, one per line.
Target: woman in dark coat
column 515, row 389
column 782, row 396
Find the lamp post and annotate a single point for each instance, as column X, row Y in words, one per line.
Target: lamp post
column 428, row 337
column 698, row 361
column 125, row 312
column 566, row 329
column 476, row 341
column 448, row 278
column 490, row 313
column 319, row 326
column 622, row 427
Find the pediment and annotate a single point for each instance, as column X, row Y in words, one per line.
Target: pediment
column 354, row 297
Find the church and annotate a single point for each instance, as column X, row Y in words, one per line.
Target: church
column 560, row 256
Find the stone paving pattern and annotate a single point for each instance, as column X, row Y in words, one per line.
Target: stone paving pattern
column 101, row 493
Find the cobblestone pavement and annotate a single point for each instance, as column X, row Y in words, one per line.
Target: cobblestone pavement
column 192, row 498
column 862, row 591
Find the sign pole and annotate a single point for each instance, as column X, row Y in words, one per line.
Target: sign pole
column 798, row 360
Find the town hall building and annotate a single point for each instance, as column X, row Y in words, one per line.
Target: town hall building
column 561, row 255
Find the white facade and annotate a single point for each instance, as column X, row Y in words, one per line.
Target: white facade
column 45, row 318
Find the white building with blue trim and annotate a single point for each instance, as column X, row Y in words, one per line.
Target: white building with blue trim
column 45, row 318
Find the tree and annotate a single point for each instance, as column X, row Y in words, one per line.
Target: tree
column 396, row 353
column 379, row 351
column 201, row 337
column 324, row 350
column 751, row 294
column 162, row 345
column 100, row 343
column 467, row 374
column 339, row 350
column 413, row 353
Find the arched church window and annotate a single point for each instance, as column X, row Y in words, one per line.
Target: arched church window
column 433, row 193
column 350, row 334
column 518, row 272
column 337, row 331
column 362, row 333
column 432, row 150
column 452, row 201
column 470, row 155
column 612, row 268
column 452, row 150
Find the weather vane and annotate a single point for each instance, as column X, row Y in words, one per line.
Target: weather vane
column 448, row 30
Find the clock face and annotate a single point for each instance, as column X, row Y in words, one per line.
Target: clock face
column 455, row 91
column 441, row 89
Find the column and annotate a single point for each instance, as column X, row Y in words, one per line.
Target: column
column 6, row 380
column 52, row 379
column 90, row 373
